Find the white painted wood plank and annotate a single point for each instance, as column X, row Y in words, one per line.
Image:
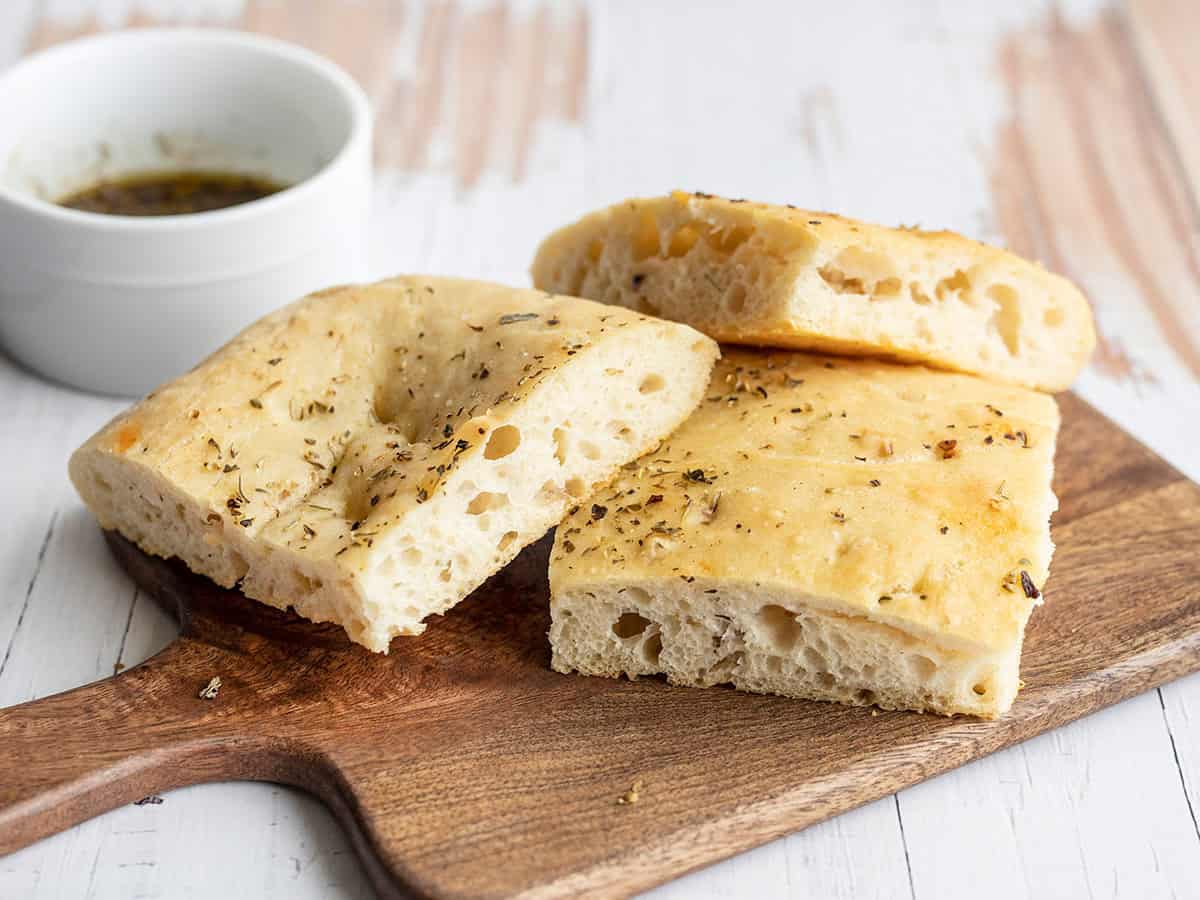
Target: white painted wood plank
column 1092, row 809
column 1181, row 710
column 856, row 856
column 39, row 426
column 235, row 840
column 79, row 605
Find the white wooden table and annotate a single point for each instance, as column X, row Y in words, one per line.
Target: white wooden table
column 1070, row 133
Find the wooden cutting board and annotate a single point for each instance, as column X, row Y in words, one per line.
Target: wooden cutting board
column 463, row 767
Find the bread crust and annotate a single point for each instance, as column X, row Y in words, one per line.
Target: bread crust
column 778, row 276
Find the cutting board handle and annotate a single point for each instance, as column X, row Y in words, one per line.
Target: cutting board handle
column 66, row 758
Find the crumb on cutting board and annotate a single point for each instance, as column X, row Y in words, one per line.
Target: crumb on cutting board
column 210, row 690
column 632, row 795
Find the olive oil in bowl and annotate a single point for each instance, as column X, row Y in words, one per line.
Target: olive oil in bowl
column 170, row 193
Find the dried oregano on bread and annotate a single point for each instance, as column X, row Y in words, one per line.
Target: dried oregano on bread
column 776, row 276
column 821, row 528
column 370, row 454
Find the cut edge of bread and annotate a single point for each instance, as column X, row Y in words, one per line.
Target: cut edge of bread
column 771, row 640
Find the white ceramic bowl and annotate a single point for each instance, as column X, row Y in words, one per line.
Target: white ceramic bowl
column 119, row 304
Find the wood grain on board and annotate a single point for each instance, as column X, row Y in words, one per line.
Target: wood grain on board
column 463, row 766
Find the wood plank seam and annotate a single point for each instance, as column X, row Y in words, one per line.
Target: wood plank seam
column 37, row 568
column 912, row 891
column 119, row 664
column 1187, row 797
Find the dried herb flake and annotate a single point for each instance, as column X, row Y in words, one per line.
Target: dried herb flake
column 948, row 448
column 1028, row 586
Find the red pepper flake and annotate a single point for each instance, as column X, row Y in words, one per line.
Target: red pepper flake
column 948, row 449
column 654, row 498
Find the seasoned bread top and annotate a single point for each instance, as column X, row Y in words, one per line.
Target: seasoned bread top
column 370, row 453
column 910, row 497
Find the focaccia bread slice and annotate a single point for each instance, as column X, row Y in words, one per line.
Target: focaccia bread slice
column 775, row 276
column 370, row 454
column 821, row 528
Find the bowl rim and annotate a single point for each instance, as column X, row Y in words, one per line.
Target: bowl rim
column 351, row 93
